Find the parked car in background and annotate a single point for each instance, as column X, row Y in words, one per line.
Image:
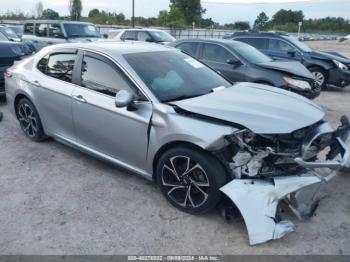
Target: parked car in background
column 173, row 120
column 17, row 29
column 328, row 68
column 42, row 33
column 240, row 62
column 9, row 34
column 145, row 35
column 9, row 53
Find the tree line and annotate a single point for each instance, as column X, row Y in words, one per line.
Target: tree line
column 188, row 13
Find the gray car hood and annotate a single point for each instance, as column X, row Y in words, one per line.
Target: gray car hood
column 260, row 108
column 294, row 68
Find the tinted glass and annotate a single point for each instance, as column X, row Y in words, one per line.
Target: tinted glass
column 41, row 29
column 29, row 29
column 3, row 37
column 216, row 53
column 102, row 77
column 9, row 33
column 143, row 36
column 42, row 64
column 129, row 35
column 55, row 31
column 299, row 44
column 174, row 75
column 251, row 54
column 61, row 66
column 161, row 36
column 280, row 46
column 188, row 48
column 259, row 43
column 80, row 30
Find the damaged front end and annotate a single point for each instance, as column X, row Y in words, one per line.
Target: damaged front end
column 267, row 170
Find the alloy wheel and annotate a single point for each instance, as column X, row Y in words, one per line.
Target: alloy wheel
column 186, row 182
column 319, row 78
column 28, row 120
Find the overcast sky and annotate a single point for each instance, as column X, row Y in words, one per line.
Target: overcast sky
column 222, row 11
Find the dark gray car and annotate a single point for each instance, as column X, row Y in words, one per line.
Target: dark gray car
column 240, row 62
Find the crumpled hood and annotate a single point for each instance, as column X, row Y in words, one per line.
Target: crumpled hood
column 294, row 68
column 260, row 108
column 329, row 56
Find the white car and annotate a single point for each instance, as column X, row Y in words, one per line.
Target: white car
column 145, row 35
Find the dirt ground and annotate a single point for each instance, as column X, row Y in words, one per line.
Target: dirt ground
column 56, row 200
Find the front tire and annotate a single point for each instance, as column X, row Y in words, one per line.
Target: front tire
column 190, row 179
column 320, row 75
column 29, row 120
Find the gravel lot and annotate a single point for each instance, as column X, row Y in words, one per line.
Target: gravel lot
column 56, row 200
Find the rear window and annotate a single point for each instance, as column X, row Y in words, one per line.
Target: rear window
column 29, row 29
column 129, row 35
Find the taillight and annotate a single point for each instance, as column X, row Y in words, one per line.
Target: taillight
column 7, row 73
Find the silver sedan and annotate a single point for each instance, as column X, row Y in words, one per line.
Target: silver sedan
column 166, row 116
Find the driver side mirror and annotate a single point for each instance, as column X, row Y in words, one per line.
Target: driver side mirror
column 124, row 98
column 105, row 36
column 234, row 61
column 150, row 40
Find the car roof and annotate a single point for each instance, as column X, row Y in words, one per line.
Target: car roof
column 226, row 42
column 145, row 29
column 260, row 34
column 114, row 48
column 45, row 21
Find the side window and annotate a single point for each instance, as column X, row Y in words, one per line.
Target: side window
column 280, row 46
column 143, row 36
column 61, row 66
column 55, row 31
column 41, row 66
column 129, row 35
column 189, row 48
column 41, row 30
column 29, row 29
column 102, row 77
column 258, row 43
column 216, row 53
column 3, row 37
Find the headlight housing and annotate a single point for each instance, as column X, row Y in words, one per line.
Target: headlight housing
column 340, row 65
column 297, row 84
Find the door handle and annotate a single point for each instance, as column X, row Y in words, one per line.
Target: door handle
column 79, row 98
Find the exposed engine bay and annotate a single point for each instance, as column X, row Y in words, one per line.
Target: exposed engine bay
column 269, row 169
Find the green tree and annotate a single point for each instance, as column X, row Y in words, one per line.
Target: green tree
column 163, row 17
column 175, row 18
column 261, row 22
column 50, row 14
column 75, row 8
column 191, row 10
column 283, row 17
column 94, row 13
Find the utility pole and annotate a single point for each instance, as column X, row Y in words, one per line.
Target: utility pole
column 133, row 13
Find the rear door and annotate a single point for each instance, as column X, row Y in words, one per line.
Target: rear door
column 190, row 48
column 101, row 126
column 217, row 57
column 52, row 85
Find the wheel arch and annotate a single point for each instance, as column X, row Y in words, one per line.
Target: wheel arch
column 165, row 148
column 18, row 97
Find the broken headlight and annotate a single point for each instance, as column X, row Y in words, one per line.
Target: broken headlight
column 297, row 84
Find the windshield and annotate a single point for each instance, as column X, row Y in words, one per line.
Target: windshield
column 299, row 44
column 17, row 30
column 81, row 30
column 251, row 54
column 9, row 33
column 174, row 75
column 161, row 36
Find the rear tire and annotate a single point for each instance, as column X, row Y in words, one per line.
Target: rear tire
column 320, row 75
column 29, row 120
column 190, row 179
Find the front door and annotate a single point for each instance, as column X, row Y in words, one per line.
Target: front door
column 100, row 125
column 217, row 57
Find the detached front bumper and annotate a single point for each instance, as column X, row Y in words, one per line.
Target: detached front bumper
column 258, row 199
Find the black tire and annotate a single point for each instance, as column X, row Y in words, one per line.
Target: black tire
column 29, row 120
column 207, row 176
column 319, row 72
